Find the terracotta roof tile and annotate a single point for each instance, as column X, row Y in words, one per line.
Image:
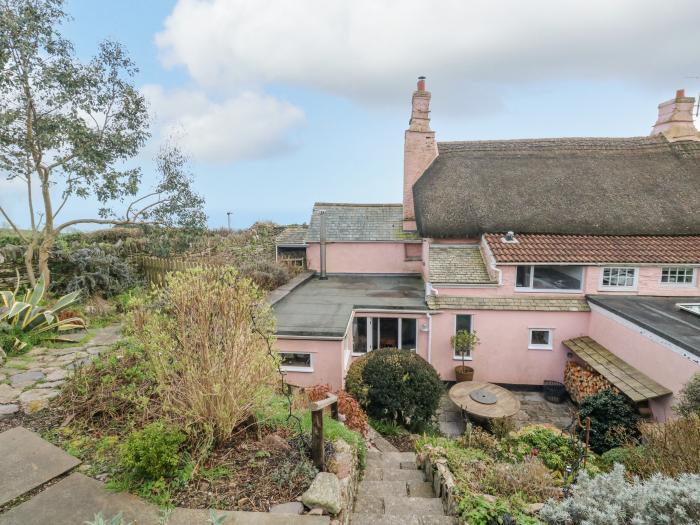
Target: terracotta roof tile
column 594, row 249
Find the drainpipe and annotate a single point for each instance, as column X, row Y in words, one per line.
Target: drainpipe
column 322, row 238
column 430, row 337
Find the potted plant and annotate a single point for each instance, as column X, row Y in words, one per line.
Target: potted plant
column 463, row 342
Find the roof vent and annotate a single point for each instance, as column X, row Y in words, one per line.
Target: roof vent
column 692, row 308
column 509, row 238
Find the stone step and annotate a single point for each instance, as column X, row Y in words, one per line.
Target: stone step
column 420, row 489
column 392, row 474
column 385, row 519
column 369, row 505
column 414, row 506
column 383, row 488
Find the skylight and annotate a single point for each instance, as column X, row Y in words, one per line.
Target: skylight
column 693, row 308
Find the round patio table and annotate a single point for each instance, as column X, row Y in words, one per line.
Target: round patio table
column 484, row 400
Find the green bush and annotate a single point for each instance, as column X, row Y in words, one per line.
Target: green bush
column 613, row 420
column 622, row 455
column 354, row 384
column 401, row 387
column 552, row 447
column 266, row 274
column 689, row 399
column 91, row 270
column 154, row 452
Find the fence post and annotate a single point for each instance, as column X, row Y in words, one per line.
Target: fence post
column 317, row 439
column 317, row 444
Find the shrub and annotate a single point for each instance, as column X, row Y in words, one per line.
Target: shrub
column 613, row 420
column 689, row 399
column 669, row 448
column 92, row 271
column 531, row 478
column 625, row 456
column 554, row 448
column 267, row 275
column 354, row 384
column 153, row 452
column 23, row 314
column 401, row 386
column 211, row 351
column 349, row 408
column 611, row 498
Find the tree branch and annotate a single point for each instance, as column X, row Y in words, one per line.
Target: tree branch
column 128, row 210
column 14, row 226
column 113, row 222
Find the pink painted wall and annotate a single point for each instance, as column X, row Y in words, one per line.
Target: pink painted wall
column 502, row 355
column 350, row 257
column 326, row 360
column 648, row 283
column 657, row 361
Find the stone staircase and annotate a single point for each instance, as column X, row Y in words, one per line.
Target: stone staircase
column 394, row 492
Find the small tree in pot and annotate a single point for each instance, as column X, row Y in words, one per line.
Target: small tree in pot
column 463, row 342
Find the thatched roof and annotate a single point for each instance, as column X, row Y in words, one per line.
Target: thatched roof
column 614, row 186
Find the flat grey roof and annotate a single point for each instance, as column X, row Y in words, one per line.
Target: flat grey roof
column 319, row 308
column 659, row 315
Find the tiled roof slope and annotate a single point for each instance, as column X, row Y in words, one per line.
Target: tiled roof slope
column 457, row 265
column 596, row 249
column 602, row 186
column 359, row 223
column 539, row 304
column 294, row 235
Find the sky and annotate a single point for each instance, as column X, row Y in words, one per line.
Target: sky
column 282, row 103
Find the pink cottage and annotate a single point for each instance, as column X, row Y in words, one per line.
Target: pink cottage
column 552, row 250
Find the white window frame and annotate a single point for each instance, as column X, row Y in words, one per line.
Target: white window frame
column 370, row 333
column 613, row 288
column 534, row 346
column 530, row 289
column 306, row 369
column 455, row 356
column 693, row 280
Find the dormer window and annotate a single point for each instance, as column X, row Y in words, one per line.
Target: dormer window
column 557, row 278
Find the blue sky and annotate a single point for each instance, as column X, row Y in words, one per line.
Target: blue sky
column 283, row 103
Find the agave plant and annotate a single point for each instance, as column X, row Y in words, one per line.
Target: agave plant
column 25, row 315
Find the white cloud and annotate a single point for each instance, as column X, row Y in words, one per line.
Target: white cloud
column 370, row 50
column 246, row 126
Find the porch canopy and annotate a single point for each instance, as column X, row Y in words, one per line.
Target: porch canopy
column 634, row 384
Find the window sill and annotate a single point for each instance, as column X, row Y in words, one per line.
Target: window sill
column 459, row 359
column 296, row 369
column 539, row 290
column 617, row 289
column 358, row 354
column 548, row 348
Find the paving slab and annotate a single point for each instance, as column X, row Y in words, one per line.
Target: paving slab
column 201, row 517
column 413, row 506
column 27, row 461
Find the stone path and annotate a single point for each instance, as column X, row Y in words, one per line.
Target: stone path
column 29, row 381
column 534, row 409
column 394, row 492
column 28, row 462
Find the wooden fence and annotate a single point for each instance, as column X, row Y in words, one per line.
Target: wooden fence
column 155, row 269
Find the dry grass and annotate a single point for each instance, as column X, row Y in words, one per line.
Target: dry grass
column 670, row 448
column 210, row 352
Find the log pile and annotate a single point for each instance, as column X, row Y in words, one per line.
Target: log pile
column 582, row 381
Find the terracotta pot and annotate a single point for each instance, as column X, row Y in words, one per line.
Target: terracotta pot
column 464, row 373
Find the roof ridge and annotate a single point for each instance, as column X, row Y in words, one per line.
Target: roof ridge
column 351, row 204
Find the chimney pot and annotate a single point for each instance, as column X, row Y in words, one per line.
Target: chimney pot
column 675, row 120
column 680, row 93
column 421, row 83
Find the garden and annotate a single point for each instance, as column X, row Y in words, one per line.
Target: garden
column 623, row 470
column 189, row 407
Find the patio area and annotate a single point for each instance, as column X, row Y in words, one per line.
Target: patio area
column 534, row 409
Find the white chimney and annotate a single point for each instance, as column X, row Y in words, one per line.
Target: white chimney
column 675, row 120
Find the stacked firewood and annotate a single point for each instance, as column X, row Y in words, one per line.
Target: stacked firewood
column 582, row 381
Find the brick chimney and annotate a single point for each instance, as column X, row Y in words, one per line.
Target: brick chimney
column 675, row 120
column 420, row 149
